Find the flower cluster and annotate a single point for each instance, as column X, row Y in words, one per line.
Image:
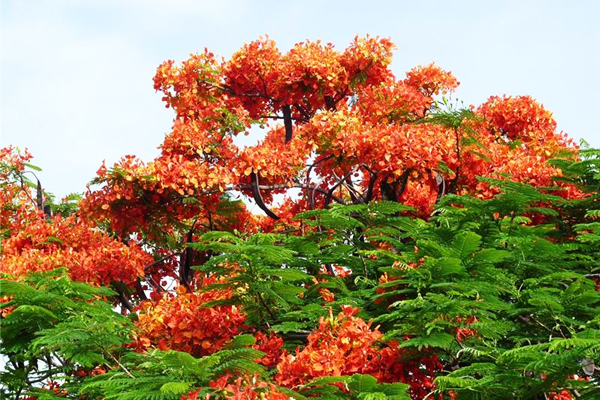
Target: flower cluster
column 87, row 254
column 183, row 323
column 37, row 242
column 272, row 346
column 347, row 345
column 238, row 388
column 347, row 120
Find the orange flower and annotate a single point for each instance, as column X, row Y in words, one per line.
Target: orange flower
column 348, row 345
column 182, row 323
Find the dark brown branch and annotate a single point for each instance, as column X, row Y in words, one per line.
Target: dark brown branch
column 264, row 82
column 262, row 301
column 269, row 311
column 287, row 121
column 403, row 182
column 391, row 191
column 321, row 190
column 156, row 285
column 300, row 336
column 388, row 192
column 161, row 260
column 441, row 188
column 330, row 104
column 353, row 193
column 278, row 117
column 528, row 320
column 187, row 257
column 312, row 197
column 39, row 196
column 292, row 186
column 211, row 224
column 184, row 267
column 302, row 111
column 330, row 192
column 230, row 90
column 453, row 182
column 369, row 195
column 341, row 95
column 124, row 300
column 310, row 167
column 140, row 290
column 26, row 191
column 330, row 269
column 258, row 197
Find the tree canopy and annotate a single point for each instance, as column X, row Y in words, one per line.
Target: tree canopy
column 409, row 247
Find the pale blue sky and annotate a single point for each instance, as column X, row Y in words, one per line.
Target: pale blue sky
column 77, row 74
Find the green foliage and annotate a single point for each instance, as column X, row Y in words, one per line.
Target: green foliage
column 60, row 330
column 264, row 285
column 478, row 284
column 168, row 375
column 56, row 327
column 504, row 291
column 357, row 386
column 67, row 206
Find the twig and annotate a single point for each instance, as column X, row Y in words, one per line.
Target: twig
column 124, row 300
column 255, row 186
column 287, row 121
column 330, row 192
column 299, row 186
column 403, row 181
column 302, row 111
column 129, row 374
column 441, row 188
column 161, row 260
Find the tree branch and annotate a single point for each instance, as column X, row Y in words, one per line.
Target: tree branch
column 278, row 117
column 39, row 196
column 330, row 103
column 403, row 181
column 354, row 194
column 26, row 191
column 388, row 192
column 140, row 290
column 296, row 185
column 302, row 111
column 161, row 260
column 369, row 195
column 186, row 258
column 287, row 121
column 124, row 300
column 119, row 364
column 441, row 187
column 258, row 197
column 330, row 192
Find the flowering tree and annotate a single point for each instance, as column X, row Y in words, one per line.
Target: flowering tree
column 420, row 250
column 351, row 133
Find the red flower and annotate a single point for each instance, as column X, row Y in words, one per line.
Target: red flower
column 181, row 323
